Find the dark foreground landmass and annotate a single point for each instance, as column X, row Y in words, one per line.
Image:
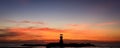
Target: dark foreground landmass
column 61, row 45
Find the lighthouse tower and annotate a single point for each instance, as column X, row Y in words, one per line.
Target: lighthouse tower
column 61, row 39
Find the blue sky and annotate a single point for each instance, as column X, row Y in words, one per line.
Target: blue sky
column 56, row 12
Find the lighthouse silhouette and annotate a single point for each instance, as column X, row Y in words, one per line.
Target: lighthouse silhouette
column 61, row 39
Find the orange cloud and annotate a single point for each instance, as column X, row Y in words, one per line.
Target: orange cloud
column 31, row 22
column 106, row 23
column 26, row 21
column 78, row 26
column 90, row 25
column 18, row 34
column 37, row 31
column 12, row 21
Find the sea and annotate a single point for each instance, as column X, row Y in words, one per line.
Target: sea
column 16, row 45
column 77, row 47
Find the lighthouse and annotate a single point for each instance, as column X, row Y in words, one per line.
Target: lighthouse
column 61, row 39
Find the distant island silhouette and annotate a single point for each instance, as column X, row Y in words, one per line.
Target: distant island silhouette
column 61, row 44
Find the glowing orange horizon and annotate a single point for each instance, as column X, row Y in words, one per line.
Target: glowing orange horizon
column 99, row 32
column 53, row 34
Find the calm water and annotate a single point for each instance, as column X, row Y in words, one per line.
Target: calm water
column 18, row 45
column 76, row 47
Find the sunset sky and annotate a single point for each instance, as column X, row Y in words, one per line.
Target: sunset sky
column 46, row 19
